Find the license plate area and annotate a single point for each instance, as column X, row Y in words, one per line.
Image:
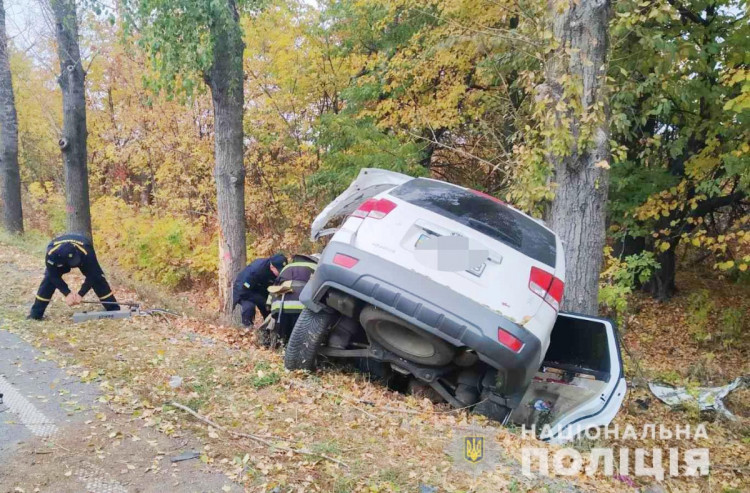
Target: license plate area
column 476, row 271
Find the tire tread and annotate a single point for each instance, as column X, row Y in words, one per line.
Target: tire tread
column 308, row 335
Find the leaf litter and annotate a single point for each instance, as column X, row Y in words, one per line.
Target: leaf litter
column 389, row 441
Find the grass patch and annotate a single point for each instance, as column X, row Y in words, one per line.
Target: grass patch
column 32, row 242
column 265, row 379
column 329, row 447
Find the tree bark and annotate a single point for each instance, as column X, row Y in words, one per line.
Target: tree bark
column 10, row 174
column 73, row 141
column 581, row 173
column 662, row 285
column 225, row 78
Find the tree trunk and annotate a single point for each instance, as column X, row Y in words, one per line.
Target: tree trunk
column 581, row 172
column 73, row 141
column 225, row 78
column 11, row 177
column 662, row 284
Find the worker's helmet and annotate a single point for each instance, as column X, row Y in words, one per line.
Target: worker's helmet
column 279, row 261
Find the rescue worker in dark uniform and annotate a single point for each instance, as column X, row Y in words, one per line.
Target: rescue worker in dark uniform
column 251, row 286
column 299, row 271
column 63, row 254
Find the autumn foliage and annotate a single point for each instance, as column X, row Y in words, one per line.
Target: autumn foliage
column 444, row 88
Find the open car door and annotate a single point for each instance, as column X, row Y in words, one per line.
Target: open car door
column 581, row 383
column 369, row 182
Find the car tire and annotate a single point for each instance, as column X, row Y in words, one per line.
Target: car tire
column 374, row 320
column 309, row 333
column 493, row 410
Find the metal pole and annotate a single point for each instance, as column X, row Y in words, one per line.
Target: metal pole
column 124, row 303
column 281, row 309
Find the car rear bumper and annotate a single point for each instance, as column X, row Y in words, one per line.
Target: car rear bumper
column 433, row 307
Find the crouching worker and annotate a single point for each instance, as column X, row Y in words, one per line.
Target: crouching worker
column 63, row 254
column 251, row 286
column 284, row 300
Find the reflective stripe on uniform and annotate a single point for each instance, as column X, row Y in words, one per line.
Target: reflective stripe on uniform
column 60, row 242
column 53, row 249
column 42, row 299
column 105, row 297
column 80, row 248
column 247, row 285
column 77, row 244
column 288, row 305
column 309, row 265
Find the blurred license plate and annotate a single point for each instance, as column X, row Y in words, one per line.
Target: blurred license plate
column 475, row 271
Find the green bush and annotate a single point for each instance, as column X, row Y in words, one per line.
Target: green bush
column 168, row 250
column 732, row 324
column 698, row 315
column 621, row 277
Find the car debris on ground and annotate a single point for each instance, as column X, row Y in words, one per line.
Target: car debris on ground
column 707, row 398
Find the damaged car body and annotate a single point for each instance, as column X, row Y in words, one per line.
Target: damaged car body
column 457, row 292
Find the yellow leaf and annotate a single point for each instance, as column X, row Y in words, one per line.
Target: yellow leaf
column 602, row 164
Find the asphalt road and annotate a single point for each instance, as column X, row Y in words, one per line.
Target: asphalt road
column 45, row 407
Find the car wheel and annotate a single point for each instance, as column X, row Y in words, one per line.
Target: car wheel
column 493, row 410
column 405, row 340
column 309, row 333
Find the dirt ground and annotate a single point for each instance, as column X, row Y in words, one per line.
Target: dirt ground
column 335, row 430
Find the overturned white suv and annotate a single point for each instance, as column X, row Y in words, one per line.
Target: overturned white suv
column 452, row 291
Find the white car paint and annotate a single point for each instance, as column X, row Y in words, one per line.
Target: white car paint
column 501, row 287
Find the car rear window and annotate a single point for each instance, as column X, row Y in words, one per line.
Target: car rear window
column 483, row 214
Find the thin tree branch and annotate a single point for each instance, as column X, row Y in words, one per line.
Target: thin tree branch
column 255, row 438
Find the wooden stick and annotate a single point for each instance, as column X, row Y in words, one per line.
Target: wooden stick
column 255, row 438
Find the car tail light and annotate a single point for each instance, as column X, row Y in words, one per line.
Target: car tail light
column 381, row 208
column 374, row 208
column 547, row 287
column 345, row 260
column 488, row 196
column 364, row 209
column 509, row 340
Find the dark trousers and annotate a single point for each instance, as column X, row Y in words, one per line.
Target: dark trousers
column 47, row 289
column 288, row 320
column 249, row 302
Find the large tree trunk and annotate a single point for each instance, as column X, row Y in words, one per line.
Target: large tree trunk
column 581, row 171
column 225, row 79
column 11, row 177
column 73, row 141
